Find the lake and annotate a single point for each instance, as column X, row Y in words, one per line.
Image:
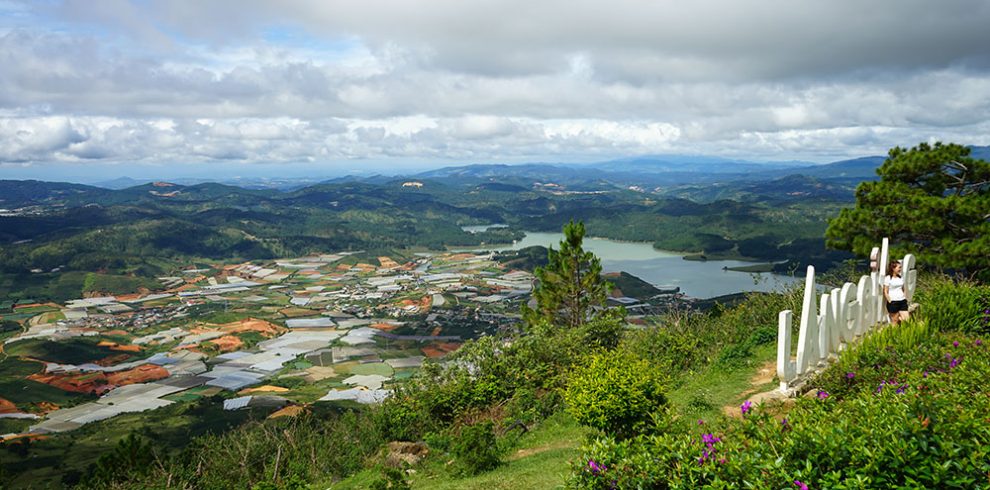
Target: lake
column 696, row 279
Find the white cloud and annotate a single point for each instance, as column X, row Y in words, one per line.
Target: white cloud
column 505, row 80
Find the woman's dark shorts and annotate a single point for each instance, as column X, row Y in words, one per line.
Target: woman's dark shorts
column 895, row 306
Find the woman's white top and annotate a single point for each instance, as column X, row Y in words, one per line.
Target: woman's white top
column 895, row 287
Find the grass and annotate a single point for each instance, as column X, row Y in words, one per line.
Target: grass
column 15, row 426
column 24, row 392
column 68, row 454
column 704, row 393
column 379, row 368
column 70, row 351
column 539, row 459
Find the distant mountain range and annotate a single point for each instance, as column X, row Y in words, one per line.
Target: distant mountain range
column 643, row 171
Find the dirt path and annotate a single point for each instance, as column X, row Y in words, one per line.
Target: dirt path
column 757, row 383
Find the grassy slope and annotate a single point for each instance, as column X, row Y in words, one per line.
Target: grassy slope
column 540, row 459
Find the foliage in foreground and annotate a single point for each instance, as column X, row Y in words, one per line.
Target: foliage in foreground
column 904, row 408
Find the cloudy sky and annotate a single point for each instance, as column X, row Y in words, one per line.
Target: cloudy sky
column 344, row 85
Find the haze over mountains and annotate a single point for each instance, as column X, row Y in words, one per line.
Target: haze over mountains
column 655, row 170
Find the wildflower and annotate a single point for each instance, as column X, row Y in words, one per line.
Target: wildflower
column 924, row 374
column 850, row 375
column 979, row 342
column 900, row 390
column 745, row 407
column 955, row 362
column 721, row 461
column 801, row 486
column 595, row 467
column 822, row 394
column 955, row 343
column 783, row 422
column 701, row 422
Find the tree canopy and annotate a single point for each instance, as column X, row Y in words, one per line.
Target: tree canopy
column 932, row 201
column 570, row 285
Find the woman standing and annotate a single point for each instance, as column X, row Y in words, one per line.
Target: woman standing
column 893, row 293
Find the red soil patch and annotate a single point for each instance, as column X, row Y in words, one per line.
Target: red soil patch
column 343, row 267
column 116, row 332
column 100, row 383
column 365, row 267
column 77, row 383
column 29, row 437
column 45, row 407
column 308, row 273
column 227, row 343
column 111, row 360
column 6, row 406
column 440, row 349
column 387, row 262
column 263, row 389
column 460, row 257
column 119, row 347
column 141, row 374
column 129, row 297
column 251, row 325
column 387, row 327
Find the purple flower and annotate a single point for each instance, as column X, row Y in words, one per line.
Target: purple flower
column 801, row 486
column 595, row 467
column 783, row 422
column 745, row 407
column 850, row 375
column 721, row 461
column 822, row 394
column 924, row 374
column 710, row 439
column 979, row 342
column 955, row 343
column 701, row 422
column 900, row 391
column 955, row 362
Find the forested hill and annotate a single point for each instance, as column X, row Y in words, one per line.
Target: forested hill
column 153, row 228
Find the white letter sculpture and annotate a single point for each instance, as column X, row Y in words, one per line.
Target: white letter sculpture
column 837, row 318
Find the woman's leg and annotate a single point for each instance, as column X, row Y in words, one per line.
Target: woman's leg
column 904, row 315
column 895, row 318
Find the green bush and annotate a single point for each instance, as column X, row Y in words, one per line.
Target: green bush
column 952, row 305
column 476, row 449
column 912, row 416
column 615, row 392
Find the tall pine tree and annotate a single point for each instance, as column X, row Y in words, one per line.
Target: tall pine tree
column 571, row 291
column 932, row 201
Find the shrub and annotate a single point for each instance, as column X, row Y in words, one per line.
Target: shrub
column 919, row 423
column 951, row 305
column 476, row 450
column 615, row 392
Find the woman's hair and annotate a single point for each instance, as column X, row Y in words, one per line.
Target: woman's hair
column 890, row 267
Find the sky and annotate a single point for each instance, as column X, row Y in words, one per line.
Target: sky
column 105, row 88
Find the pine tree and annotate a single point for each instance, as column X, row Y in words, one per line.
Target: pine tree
column 571, row 291
column 932, row 201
